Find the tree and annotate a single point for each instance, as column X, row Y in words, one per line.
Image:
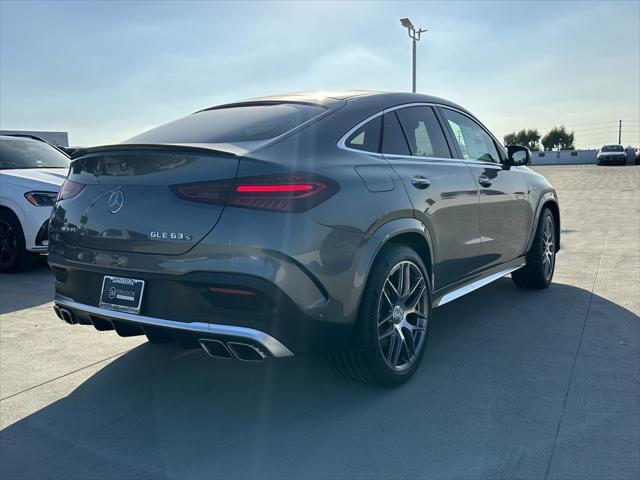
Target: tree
column 510, row 139
column 559, row 138
column 527, row 138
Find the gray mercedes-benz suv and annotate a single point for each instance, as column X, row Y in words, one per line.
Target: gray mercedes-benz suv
column 299, row 223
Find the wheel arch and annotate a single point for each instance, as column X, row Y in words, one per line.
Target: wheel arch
column 548, row 200
column 9, row 210
column 417, row 242
column 403, row 231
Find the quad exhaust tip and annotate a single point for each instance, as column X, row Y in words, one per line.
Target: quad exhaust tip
column 246, row 351
column 227, row 349
column 241, row 351
column 66, row 315
column 215, row 348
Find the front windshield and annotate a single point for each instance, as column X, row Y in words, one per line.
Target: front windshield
column 612, row 148
column 27, row 153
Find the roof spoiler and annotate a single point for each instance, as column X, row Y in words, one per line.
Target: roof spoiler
column 152, row 146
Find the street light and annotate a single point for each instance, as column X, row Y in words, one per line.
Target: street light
column 415, row 37
column 406, row 23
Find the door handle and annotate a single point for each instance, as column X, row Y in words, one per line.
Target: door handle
column 419, row 181
column 484, row 181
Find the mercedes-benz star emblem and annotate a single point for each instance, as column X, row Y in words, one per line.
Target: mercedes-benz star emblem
column 116, row 200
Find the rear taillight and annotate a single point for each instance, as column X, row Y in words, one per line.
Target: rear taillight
column 214, row 192
column 69, row 189
column 295, row 187
column 295, row 192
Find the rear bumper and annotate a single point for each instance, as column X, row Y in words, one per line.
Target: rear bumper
column 306, row 277
column 126, row 323
column 185, row 308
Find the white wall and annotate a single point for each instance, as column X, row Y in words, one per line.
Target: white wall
column 564, row 157
column 572, row 157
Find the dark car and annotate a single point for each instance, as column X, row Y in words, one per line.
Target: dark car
column 612, row 154
column 300, row 223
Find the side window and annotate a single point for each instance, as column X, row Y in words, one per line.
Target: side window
column 423, row 132
column 367, row 137
column 393, row 140
column 475, row 143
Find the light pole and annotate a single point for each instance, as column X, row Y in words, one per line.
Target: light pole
column 415, row 37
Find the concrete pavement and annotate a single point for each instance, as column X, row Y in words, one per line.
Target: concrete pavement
column 515, row 384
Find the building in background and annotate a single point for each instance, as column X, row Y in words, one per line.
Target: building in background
column 59, row 139
column 574, row 157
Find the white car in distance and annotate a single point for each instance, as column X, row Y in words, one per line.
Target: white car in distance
column 31, row 172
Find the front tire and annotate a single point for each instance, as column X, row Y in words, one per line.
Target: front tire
column 541, row 258
column 13, row 254
column 390, row 334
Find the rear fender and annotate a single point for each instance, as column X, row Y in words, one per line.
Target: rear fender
column 385, row 234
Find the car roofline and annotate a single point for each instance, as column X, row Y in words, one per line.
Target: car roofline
column 255, row 103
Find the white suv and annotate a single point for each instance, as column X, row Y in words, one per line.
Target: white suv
column 31, row 172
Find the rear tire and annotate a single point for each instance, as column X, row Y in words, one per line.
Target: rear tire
column 13, row 254
column 541, row 258
column 390, row 334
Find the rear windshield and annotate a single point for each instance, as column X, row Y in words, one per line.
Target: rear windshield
column 612, row 148
column 23, row 153
column 248, row 123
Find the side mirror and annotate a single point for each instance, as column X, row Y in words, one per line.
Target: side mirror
column 517, row 156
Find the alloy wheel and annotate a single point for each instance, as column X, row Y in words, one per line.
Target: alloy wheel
column 548, row 248
column 8, row 244
column 402, row 315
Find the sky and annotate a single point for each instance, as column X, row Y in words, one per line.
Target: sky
column 107, row 70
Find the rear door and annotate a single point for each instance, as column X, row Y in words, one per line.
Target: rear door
column 441, row 188
column 505, row 213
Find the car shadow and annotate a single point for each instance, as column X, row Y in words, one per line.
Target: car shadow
column 485, row 404
column 17, row 291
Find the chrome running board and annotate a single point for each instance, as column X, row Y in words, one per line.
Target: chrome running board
column 273, row 346
column 470, row 287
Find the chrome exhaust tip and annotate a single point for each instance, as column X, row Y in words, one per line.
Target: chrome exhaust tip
column 215, row 348
column 246, row 352
column 66, row 315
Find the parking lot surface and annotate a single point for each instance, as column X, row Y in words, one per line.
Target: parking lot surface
column 514, row 384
